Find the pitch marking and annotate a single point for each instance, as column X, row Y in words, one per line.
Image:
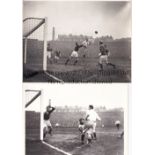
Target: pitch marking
column 55, row 148
column 55, row 78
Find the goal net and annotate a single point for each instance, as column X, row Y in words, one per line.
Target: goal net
column 35, row 43
column 33, row 115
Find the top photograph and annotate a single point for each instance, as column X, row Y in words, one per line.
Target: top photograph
column 77, row 41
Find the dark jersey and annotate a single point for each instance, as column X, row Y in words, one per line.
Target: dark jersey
column 81, row 121
column 57, row 53
column 49, row 49
column 103, row 50
column 48, row 113
column 77, row 47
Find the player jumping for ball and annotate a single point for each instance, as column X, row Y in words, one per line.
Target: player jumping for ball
column 74, row 54
column 88, row 42
column 47, row 123
column 85, row 44
column 91, row 118
column 103, row 56
column 89, row 126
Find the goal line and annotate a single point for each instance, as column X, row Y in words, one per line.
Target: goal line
column 56, row 148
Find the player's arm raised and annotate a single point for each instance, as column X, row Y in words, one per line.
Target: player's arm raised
column 98, row 117
column 51, row 109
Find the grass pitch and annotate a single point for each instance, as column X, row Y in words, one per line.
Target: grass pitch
column 107, row 143
column 86, row 70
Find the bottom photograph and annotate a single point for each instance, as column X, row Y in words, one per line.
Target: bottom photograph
column 75, row 119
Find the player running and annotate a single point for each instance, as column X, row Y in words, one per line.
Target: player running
column 103, row 56
column 74, row 54
column 47, row 123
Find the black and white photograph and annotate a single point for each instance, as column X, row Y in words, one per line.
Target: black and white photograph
column 77, row 41
column 71, row 59
column 77, row 122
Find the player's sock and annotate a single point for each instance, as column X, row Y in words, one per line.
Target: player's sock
column 122, row 134
column 82, row 138
column 66, row 61
column 94, row 134
column 89, row 141
column 50, row 130
column 101, row 66
column 44, row 135
column 117, row 126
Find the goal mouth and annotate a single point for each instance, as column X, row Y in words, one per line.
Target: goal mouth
column 29, row 27
column 33, row 115
column 35, row 43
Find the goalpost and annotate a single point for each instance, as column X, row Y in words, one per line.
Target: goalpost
column 34, row 126
column 35, row 47
column 35, row 42
column 33, row 114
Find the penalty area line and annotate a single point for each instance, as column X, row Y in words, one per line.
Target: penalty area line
column 55, row 148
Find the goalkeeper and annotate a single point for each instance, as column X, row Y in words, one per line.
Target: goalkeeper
column 47, row 123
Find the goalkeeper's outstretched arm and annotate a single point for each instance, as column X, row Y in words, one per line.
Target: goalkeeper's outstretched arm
column 51, row 109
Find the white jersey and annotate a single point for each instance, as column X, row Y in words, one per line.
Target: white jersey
column 92, row 115
column 85, row 43
column 117, row 122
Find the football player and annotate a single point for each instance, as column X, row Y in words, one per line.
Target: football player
column 74, row 54
column 47, row 123
column 103, row 56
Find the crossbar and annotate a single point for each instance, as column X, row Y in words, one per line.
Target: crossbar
column 35, row 97
column 30, row 32
column 32, row 18
column 31, row 90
